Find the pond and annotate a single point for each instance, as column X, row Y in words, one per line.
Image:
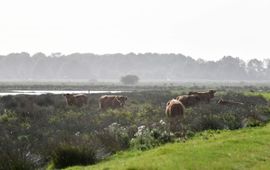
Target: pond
column 40, row 92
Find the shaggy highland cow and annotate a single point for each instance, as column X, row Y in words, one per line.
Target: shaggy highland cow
column 175, row 108
column 76, row 99
column 204, row 96
column 188, row 100
column 111, row 101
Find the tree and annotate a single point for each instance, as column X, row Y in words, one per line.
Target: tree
column 130, row 79
column 255, row 69
column 230, row 68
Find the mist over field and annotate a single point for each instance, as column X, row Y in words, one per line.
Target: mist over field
column 111, row 67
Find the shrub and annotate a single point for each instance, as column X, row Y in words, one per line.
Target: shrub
column 161, row 133
column 251, row 122
column 14, row 161
column 8, row 102
column 143, row 139
column 66, row 155
column 130, row 79
column 146, row 138
column 15, row 150
column 45, row 100
column 114, row 138
column 120, row 134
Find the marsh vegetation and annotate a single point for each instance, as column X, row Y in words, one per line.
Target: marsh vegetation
column 39, row 130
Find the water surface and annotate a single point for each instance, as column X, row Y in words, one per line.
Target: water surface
column 40, row 92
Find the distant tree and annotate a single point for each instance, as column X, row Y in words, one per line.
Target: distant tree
column 130, row 79
column 267, row 68
column 255, row 69
column 147, row 66
column 230, row 68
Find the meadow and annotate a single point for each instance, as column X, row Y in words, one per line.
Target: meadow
column 224, row 149
column 43, row 131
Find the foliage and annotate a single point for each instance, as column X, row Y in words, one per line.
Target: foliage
column 66, row 155
column 130, row 79
column 14, row 143
column 114, row 137
column 148, row 66
column 32, row 127
column 146, row 138
column 222, row 149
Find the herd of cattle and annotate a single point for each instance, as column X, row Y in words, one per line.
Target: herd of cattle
column 174, row 108
column 105, row 101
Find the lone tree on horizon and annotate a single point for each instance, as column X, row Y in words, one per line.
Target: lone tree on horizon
column 130, row 79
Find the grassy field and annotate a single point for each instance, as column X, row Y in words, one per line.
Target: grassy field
column 266, row 95
column 238, row 149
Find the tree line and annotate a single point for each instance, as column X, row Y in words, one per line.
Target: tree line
column 147, row 66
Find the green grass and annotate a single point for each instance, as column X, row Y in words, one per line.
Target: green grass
column 240, row 149
column 266, row 95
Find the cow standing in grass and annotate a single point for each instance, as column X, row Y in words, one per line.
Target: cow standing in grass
column 175, row 113
column 76, row 99
column 188, row 100
column 112, row 101
column 174, row 109
column 204, row 96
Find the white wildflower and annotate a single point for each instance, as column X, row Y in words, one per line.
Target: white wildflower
column 77, row 133
column 162, row 122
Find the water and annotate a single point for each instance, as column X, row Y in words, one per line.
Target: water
column 40, row 92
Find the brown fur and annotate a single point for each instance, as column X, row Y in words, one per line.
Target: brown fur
column 76, row 99
column 228, row 102
column 111, row 101
column 175, row 108
column 188, row 100
column 204, row 96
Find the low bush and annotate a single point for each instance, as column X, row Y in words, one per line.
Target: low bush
column 114, row 138
column 15, row 161
column 150, row 137
column 15, row 151
column 66, row 155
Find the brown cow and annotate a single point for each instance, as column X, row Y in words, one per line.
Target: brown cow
column 204, row 96
column 175, row 113
column 228, row 102
column 112, row 101
column 188, row 100
column 175, row 108
column 76, row 99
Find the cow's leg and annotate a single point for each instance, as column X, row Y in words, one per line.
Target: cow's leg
column 100, row 105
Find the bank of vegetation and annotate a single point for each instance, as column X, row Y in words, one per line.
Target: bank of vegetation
column 39, row 130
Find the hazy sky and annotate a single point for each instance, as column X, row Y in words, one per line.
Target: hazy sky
column 208, row 29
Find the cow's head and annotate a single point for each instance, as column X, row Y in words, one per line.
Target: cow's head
column 212, row 93
column 122, row 98
column 67, row 95
column 70, row 99
column 191, row 93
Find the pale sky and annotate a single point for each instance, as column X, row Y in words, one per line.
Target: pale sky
column 208, row 29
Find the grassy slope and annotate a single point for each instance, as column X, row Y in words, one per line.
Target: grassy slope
column 266, row 95
column 240, row 149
